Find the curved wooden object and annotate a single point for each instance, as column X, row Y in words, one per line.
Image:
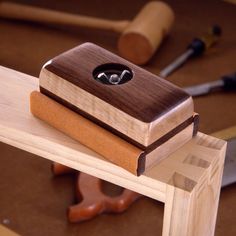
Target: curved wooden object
column 94, row 202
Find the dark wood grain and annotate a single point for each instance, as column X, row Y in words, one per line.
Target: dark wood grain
column 146, row 97
column 147, row 149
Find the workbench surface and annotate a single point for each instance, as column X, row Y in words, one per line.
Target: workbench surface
column 33, row 201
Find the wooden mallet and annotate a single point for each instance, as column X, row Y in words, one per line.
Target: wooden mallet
column 139, row 38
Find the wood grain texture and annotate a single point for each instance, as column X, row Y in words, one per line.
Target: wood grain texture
column 192, row 120
column 7, row 232
column 195, row 201
column 145, row 33
column 87, row 133
column 144, row 109
column 105, row 143
column 149, row 97
column 188, row 181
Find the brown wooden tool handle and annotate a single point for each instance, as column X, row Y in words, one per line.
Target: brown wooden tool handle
column 122, row 202
column 95, row 202
column 59, row 169
column 36, row 14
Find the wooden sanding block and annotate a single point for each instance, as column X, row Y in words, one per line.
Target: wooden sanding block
column 130, row 116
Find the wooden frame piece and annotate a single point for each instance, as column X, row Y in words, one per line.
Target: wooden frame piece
column 188, row 181
column 4, row 231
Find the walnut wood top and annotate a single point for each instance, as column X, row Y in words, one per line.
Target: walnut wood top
column 146, row 97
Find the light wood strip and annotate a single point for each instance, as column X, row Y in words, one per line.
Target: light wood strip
column 7, row 232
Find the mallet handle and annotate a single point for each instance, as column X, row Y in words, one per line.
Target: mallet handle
column 36, row 14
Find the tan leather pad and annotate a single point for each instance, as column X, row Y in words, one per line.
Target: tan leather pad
column 86, row 132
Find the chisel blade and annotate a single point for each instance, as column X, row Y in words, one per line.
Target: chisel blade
column 202, row 89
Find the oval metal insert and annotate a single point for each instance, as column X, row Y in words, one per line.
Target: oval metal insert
column 112, row 74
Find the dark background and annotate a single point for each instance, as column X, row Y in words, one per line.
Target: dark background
column 35, row 202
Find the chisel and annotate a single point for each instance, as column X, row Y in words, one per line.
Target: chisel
column 196, row 48
column 226, row 83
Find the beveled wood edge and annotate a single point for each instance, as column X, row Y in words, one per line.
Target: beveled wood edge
column 122, row 117
column 148, row 149
column 170, row 146
column 143, row 133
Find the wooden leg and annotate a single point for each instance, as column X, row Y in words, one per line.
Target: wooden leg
column 193, row 216
column 191, row 207
column 177, row 212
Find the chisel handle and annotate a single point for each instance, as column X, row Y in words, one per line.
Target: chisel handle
column 229, row 82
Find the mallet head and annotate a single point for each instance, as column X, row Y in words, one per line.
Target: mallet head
column 144, row 34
